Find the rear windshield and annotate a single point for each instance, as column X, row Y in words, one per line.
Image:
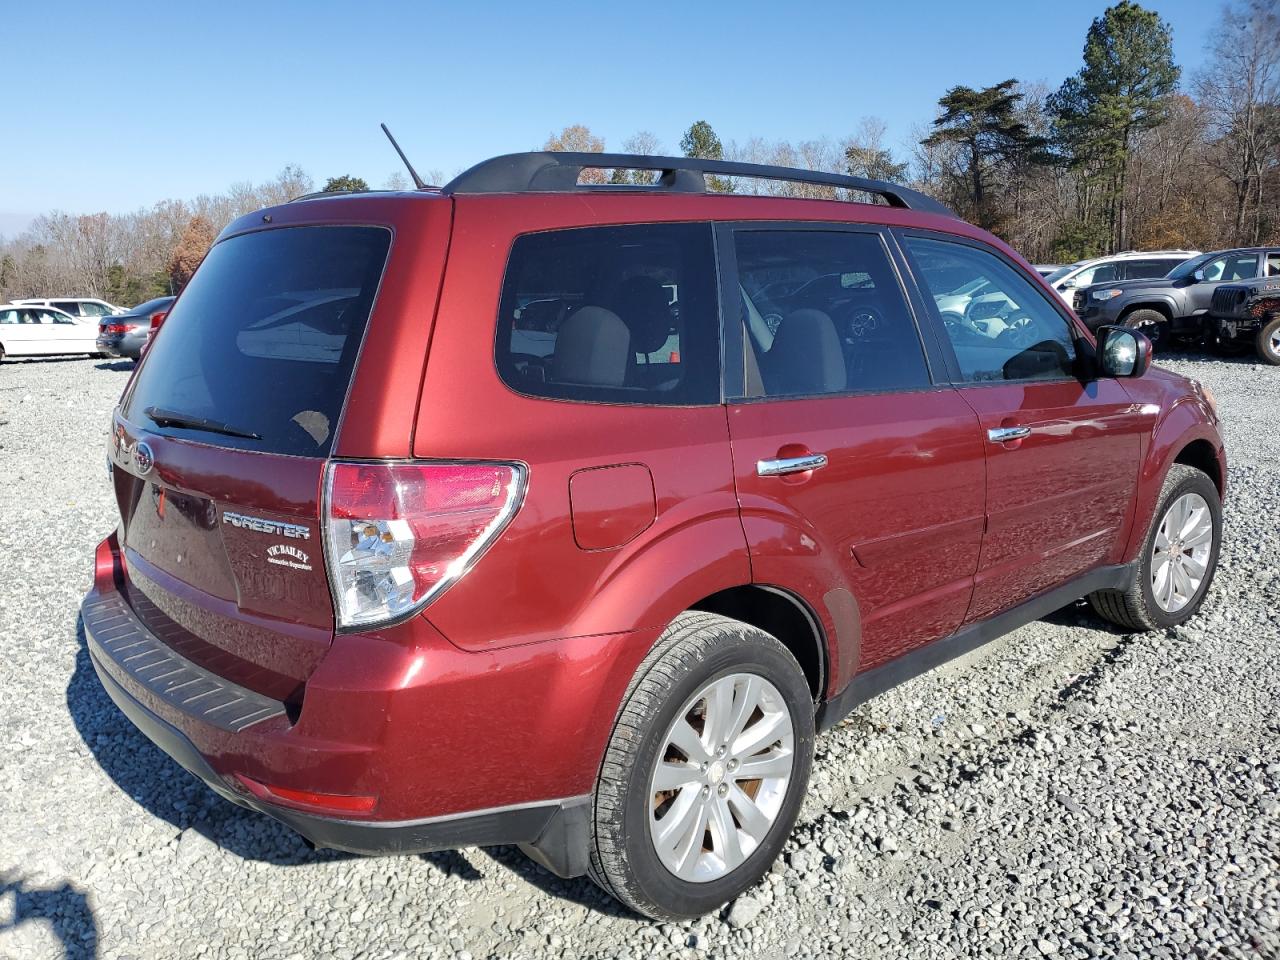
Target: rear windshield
column 259, row 349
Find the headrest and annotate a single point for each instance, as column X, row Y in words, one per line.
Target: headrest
column 806, row 356
column 641, row 302
column 592, row 347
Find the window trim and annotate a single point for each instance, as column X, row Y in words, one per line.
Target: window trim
column 1083, row 342
column 716, row 306
column 731, row 308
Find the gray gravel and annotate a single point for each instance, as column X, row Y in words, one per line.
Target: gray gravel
column 1070, row 791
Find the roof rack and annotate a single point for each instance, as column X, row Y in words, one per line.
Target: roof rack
column 555, row 172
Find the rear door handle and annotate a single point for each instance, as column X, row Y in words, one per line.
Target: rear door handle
column 785, row 465
column 1005, row 434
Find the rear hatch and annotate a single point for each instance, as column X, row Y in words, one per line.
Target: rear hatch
column 219, row 450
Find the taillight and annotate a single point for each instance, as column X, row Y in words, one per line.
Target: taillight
column 112, row 328
column 158, row 318
column 399, row 533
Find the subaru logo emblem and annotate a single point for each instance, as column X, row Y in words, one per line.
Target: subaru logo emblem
column 143, row 458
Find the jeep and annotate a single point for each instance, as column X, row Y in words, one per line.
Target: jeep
column 1248, row 315
column 531, row 511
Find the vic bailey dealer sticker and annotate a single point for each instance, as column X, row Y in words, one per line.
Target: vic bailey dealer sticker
column 287, row 555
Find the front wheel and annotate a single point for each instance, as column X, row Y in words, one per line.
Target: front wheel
column 1178, row 559
column 1153, row 323
column 1268, row 342
column 705, row 771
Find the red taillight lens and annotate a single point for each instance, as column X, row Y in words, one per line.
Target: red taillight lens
column 112, row 328
column 309, row 799
column 399, row 534
column 157, row 319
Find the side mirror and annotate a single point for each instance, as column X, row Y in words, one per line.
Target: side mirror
column 1123, row 352
column 1198, row 276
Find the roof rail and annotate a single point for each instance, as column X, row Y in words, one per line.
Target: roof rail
column 555, row 172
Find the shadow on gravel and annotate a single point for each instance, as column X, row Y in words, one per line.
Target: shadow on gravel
column 65, row 908
column 120, row 366
column 579, row 890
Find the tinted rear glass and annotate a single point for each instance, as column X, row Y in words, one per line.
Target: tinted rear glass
column 264, row 339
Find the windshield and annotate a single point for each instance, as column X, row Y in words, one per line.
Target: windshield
column 1190, row 267
column 264, row 339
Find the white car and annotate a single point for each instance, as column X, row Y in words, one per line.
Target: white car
column 1130, row 265
column 32, row 331
column 87, row 308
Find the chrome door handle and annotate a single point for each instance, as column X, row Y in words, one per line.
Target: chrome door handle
column 780, row 468
column 1005, row 434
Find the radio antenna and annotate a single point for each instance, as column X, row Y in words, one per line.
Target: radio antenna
column 417, row 180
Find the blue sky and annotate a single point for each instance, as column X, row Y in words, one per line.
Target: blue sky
column 139, row 102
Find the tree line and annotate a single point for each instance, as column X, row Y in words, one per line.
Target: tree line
column 1125, row 153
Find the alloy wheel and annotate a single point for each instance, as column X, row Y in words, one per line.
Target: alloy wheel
column 721, row 777
column 1180, row 553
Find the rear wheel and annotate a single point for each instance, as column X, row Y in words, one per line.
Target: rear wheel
column 1268, row 342
column 1153, row 323
column 1178, row 559
column 705, row 771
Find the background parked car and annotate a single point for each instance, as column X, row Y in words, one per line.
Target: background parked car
column 1244, row 315
column 1130, row 265
column 126, row 334
column 1176, row 305
column 90, row 308
column 29, row 331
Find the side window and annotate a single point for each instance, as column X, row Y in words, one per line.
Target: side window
column 824, row 313
column 1273, row 264
column 1011, row 332
column 93, row 309
column 48, row 316
column 8, row 316
column 1102, row 273
column 1147, row 269
column 613, row 315
column 1234, row 266
column 68, row 306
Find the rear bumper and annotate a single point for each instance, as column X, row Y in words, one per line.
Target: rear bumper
column 144, row 677
column 538, row 825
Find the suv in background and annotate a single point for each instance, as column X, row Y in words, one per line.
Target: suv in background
column 1176, row 306
column 1130, row 265
column 528, row 511
column 82, row 308
column 1248, row 315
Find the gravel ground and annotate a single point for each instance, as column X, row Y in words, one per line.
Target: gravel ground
column 1070, row 790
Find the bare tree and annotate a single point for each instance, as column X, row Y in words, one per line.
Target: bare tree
column 1240, row 90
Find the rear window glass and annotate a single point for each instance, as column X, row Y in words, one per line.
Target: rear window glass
column 261, row 345
column 612, row 314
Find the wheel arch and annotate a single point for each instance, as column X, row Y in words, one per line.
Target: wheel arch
column 1163, row 307
column 1183, row 436
column 782, row 614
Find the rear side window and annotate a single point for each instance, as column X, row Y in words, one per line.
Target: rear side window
column 262, row 343
column 612, row 315
column 1148, row 269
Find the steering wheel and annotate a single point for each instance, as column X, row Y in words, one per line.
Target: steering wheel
column 1019, row 330
column 863, row 322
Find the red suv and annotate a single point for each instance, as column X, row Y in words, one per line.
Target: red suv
column 527, row 511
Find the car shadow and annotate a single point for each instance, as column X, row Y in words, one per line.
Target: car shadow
column 579, row 890
column 117, row 366
column 68, row 358
column 64, row 907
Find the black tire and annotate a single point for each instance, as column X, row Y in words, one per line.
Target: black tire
column 1135, row 607
column 1268, row 342
column 694, row 650
column 1154, row 324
